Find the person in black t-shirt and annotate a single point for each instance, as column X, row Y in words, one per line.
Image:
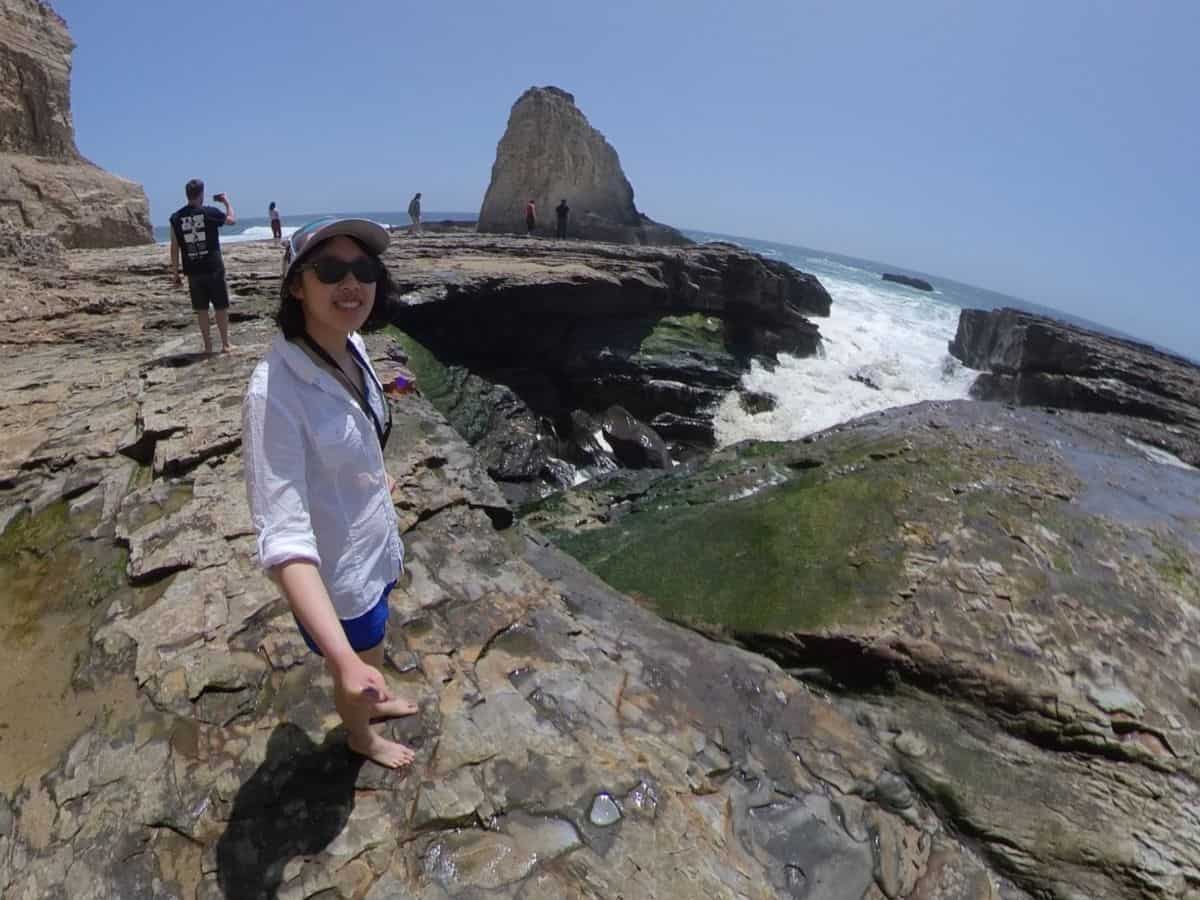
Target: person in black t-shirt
column 194, row 236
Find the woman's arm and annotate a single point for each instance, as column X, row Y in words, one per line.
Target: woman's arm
column 306, row 594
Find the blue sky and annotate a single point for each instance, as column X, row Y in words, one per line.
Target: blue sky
column 1047, row 150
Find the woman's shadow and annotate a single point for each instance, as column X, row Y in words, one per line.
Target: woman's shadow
column 294, row 804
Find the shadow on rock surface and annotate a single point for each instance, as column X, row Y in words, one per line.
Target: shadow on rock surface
column 294, row 804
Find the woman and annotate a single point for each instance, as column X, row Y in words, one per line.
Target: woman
column 315, row 422
column 276, row 223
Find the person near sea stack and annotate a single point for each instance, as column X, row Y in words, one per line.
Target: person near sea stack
column 194, row 235
column 561, row 212
column 530, row 217
column 314, row 426
column 276, row 222
column 414, row 212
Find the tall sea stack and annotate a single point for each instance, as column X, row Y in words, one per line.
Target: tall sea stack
column 45, row 184
column 549, row 153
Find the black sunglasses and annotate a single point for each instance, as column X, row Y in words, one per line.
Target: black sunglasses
column 331, row 270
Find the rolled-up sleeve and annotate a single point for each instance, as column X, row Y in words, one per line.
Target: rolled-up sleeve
column 273, row 449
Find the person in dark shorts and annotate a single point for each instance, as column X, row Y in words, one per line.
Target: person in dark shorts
column 276, row 222
column 562, row 211
column 530, row 217
column 194, row 236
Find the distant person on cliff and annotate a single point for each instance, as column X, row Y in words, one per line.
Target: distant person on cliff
column 562, row 211
column 530, row 217
column 314, row 426
column 276, row 222
column 414, row 212
column 194, row 232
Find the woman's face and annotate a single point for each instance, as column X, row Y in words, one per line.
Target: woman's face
column 334, row 308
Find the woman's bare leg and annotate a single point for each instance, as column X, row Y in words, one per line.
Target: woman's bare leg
column 388, row 709
column 356, row 713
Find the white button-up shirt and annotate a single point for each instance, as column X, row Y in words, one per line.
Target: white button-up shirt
column 315, row 477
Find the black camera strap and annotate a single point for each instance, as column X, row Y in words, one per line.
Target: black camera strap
column 382, row 431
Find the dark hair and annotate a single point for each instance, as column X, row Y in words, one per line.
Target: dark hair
column 290, row 315
column 272, row 206
column 194, row 189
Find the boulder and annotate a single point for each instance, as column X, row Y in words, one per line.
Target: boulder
column 919, row 283
column 45, row 184
column 634, row 443
column 1037, row 361
column 755, row 403
column 549, row 153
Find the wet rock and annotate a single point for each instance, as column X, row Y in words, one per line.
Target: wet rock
column 755, row 402
column 919, row 283
column 1037, row 361
column 634, row 444
column 604, row 811
column 493, row 860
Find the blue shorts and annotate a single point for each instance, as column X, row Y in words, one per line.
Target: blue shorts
column 363, row 632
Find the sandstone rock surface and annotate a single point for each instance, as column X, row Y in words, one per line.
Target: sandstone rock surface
column 1152, row 396
column 1008, row 598
column 571, row 744
column 548, row 153
column 45, row 184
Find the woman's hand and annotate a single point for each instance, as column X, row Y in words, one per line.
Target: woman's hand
column 362, row 682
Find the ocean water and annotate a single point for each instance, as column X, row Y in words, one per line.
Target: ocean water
column 258, row 228
column 883, row 344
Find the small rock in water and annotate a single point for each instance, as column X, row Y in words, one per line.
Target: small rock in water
column 643, row 798
column 604, row 811
column 911, row 745
column 755, row 402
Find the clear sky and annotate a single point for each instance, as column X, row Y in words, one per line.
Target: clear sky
column 1049, row 150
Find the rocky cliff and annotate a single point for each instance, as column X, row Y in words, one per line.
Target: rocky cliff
column 45, row 184
column 549, row 153
column 1152, row 396
column 966, row 631
column 519, row 342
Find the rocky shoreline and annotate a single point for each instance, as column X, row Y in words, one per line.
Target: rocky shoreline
column 1017, row 596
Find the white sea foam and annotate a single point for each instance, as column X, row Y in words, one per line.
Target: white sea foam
column 258, row 233
column 1155, row 454
column 254, row 233
column 891, row 338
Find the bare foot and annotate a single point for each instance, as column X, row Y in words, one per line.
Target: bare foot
column 227, row 348
column 387, row 753
column 393, row 709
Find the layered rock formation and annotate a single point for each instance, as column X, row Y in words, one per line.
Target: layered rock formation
column 571, row 744
column 1154, row 397
column 1008, row 599
column 511, row 337
column 548, row 153
column 45, row 184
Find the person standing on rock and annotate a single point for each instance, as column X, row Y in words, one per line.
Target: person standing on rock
column 194, row 234
column 314, row 426
column 276, row 222
column 414, row 212
column 562, row 211
column 530, row 217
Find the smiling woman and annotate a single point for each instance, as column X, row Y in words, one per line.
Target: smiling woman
column 315, row 423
